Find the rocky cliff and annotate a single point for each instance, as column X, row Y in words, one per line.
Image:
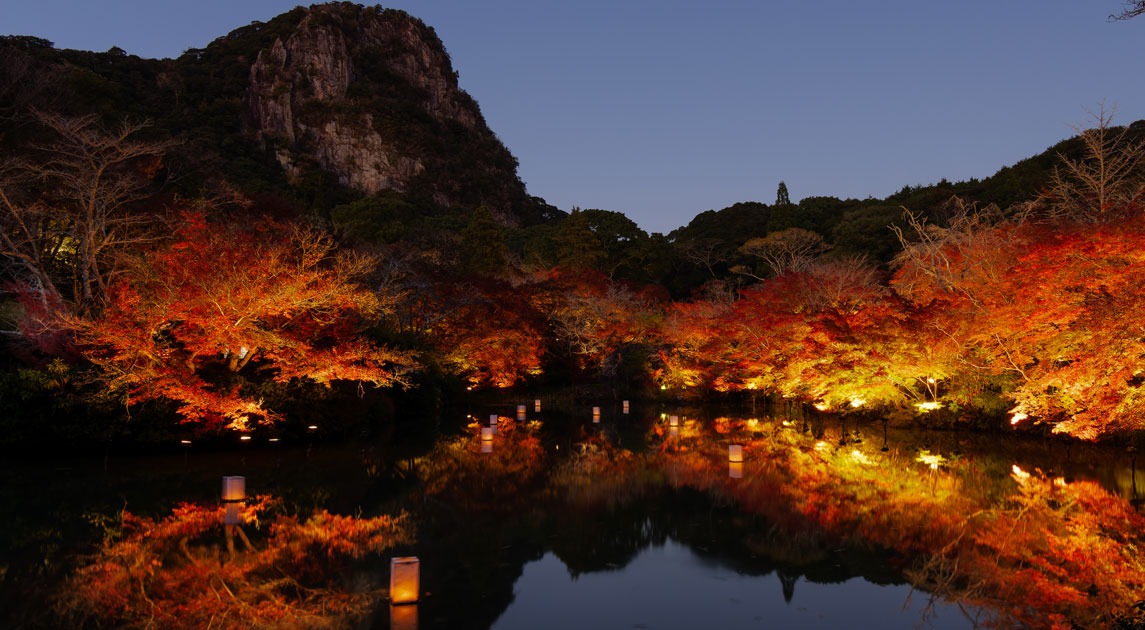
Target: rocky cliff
column 339, row 92
column 370, row 95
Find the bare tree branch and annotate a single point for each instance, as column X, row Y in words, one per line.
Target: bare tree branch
column 1133, row 8
column 66, row 210
column 793, row 249
column 1107, row 181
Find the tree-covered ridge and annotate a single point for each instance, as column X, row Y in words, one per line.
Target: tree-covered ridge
column 317, row 290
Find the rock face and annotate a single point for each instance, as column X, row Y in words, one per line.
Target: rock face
column 369, row 94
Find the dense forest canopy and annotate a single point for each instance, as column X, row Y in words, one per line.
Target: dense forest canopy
column 166, row 255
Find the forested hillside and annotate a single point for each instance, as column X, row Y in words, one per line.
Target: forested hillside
column 309, row 218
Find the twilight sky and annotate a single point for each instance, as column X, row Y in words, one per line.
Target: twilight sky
column 662, row 109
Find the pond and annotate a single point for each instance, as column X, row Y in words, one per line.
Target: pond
column 558, row 521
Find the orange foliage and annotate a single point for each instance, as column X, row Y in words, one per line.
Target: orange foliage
column 171, row 572
column 595, row 319
column 1053, row 307
column 221, row 301
column 491, row 337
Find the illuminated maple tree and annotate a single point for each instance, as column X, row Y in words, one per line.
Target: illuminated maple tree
column 489, row 334
column 222, row 304
column 595, row 319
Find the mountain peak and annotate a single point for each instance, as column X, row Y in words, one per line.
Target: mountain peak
column 370, row 95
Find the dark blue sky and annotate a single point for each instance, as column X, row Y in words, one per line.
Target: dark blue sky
column 662, row 109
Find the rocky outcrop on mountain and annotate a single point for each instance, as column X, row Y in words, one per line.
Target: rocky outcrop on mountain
column 370, row 95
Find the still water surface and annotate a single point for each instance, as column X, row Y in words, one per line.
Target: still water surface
column 535, row 540
column 670, row 586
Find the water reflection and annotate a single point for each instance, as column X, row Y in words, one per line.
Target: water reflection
column 1013, row 528
column 670, row 586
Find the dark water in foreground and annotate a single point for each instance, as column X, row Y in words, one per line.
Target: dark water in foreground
column 506, row 548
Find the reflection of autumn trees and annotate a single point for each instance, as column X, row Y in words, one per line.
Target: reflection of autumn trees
column 172, row 572
column 1043, row 553
column 502, row 479
column 598, row 475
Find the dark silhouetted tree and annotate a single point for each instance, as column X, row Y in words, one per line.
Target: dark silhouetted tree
column 781, row 196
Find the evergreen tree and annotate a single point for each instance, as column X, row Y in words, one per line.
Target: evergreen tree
column 577, row 246
column 781, row 196
column 483, row 250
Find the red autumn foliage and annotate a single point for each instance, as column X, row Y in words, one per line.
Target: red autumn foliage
column 491, row 336
column 192, row 321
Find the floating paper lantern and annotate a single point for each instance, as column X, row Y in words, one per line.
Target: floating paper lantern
column 521, row 413
column 673, row 421
column 537, row 405
column 735, row 453
column 404, row 580
column 625, row 405
column 486, row 434
column 596, row 414
column 735, row 470
column 493, row 420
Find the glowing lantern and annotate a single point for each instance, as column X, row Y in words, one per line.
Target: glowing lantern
column 493, row 420
column 486, row 434
column 673, row 421
column 404, row 580
column 625, row 405
column 234, row 492
column 735, row 470
column 596, row 414
column 521, row 413
column 537, row 405
column 673, row 432
column 735, row 453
